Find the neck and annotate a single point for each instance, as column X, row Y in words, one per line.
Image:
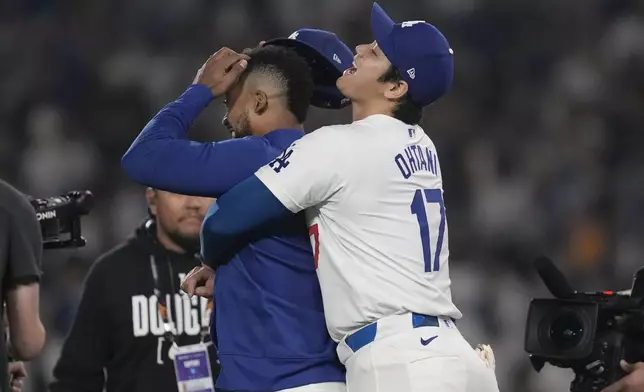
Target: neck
column 167, row 242
column 281, row 120
column 362, row 110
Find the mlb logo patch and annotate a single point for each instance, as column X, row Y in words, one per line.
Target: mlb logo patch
column 412, row 132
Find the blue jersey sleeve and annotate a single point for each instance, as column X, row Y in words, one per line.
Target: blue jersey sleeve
column 247, row 206
column 161, row 156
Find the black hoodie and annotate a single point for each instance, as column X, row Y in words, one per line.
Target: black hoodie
column 117, row 327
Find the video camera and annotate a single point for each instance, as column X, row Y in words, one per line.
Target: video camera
column 587, row 332
column 60, row 215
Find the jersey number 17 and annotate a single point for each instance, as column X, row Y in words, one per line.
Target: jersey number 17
column 421, row 198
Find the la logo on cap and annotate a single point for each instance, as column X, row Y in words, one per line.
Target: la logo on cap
column 412, row 73
column 336, row 59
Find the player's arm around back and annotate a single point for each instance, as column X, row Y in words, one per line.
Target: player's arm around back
column 26, row 331
column 305, row 174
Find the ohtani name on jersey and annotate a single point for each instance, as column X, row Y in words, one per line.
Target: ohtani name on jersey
column 416, row 158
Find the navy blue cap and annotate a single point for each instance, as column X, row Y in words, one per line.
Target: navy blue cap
column 328, row 58
column 419, row 51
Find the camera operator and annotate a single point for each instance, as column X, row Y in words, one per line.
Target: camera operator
column 131, row 310
column 20, row 260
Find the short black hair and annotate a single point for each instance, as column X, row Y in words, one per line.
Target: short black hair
column 405, row 110
column 290, row 70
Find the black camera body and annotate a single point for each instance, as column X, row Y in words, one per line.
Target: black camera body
column 587, row 332
column 59, row 218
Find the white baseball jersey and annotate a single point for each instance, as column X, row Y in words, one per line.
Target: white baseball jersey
column 373, row 195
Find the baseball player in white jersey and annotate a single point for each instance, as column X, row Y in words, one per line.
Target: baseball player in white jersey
column 372, row 192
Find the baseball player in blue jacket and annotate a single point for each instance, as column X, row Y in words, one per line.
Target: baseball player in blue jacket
column 269, row 319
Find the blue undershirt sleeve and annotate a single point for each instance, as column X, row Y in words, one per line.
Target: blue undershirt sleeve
column 161, row 156
column 240, row 210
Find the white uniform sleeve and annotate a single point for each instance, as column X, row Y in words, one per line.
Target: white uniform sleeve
column 306, row 173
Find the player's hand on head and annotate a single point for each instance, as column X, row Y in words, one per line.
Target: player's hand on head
column 221, row 70
column 632, row 382
column 199, row 281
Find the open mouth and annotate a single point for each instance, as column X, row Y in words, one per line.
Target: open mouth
column 351, row 70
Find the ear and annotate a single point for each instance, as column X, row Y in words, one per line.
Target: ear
column 396, row 90
column 151, row 197
column 261, row 102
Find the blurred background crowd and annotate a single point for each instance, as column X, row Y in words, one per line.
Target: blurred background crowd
column 539, row 140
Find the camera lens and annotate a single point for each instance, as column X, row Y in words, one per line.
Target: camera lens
column 566, row 331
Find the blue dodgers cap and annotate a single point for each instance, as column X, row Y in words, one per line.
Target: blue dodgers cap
column 419, row 51
column 327, row 56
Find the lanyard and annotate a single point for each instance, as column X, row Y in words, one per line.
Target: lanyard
column 163, row 306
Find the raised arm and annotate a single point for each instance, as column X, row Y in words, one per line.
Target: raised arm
column 162, row 157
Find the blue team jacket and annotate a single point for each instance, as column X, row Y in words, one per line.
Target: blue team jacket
column 269, row 321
